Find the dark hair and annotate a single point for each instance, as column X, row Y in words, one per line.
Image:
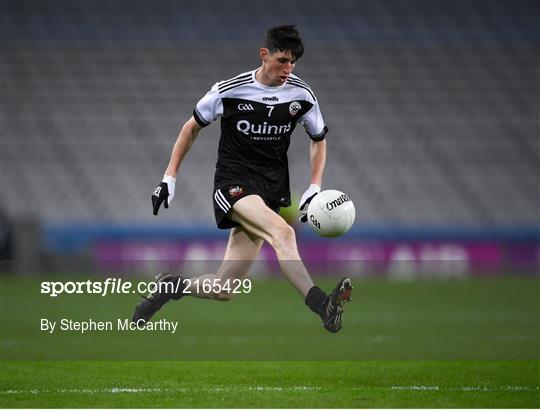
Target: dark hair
column 284, row 38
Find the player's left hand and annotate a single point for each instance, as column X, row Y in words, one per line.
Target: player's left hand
column 310, row 193
column 164, row 193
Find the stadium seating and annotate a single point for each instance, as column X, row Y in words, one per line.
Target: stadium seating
column 433, row 111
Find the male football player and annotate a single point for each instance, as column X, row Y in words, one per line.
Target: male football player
column 259, row 110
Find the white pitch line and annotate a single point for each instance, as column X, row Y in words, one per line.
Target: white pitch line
column 19, row 392
column 468, row 388
column 415, row 387
column 135, row 390
column 277, row 388
column 138, row 390
column 112, row 390
column 474, row 388
column 519, row 388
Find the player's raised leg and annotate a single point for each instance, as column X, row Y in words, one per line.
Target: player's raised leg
column 252, row 213
column 242, row 249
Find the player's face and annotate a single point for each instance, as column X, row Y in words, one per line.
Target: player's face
column 278, row 66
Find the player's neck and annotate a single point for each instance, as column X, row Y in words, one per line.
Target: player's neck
column 262, row 77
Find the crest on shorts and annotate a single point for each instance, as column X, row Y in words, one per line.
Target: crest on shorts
column 294, row 107
column 235, row 190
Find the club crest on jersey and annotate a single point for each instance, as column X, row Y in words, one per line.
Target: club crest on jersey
column 294, row 107
column 235, row 190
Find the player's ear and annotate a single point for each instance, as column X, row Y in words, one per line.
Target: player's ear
column 264, row 53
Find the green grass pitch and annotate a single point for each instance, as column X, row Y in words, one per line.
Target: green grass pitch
column 470, row 343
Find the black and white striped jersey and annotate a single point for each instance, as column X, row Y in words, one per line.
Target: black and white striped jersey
column 256, row 125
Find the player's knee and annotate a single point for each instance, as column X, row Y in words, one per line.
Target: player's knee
column 283, row 236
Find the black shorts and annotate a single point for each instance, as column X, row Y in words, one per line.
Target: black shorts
column 226, row 195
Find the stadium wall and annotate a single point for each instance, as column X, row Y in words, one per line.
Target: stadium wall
column 399, row 252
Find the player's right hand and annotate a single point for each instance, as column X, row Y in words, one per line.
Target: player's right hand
column 164, row 193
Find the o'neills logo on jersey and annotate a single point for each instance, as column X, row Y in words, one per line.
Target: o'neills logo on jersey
column 270, row 99
column 245, row 127
column 337, row 202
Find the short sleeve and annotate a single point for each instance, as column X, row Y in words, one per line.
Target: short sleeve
column 313, row 123
column 209, row 108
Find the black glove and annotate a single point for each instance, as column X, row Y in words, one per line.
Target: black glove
column 164, row 193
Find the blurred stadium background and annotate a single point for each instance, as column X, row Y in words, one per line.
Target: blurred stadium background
column 432, row 106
